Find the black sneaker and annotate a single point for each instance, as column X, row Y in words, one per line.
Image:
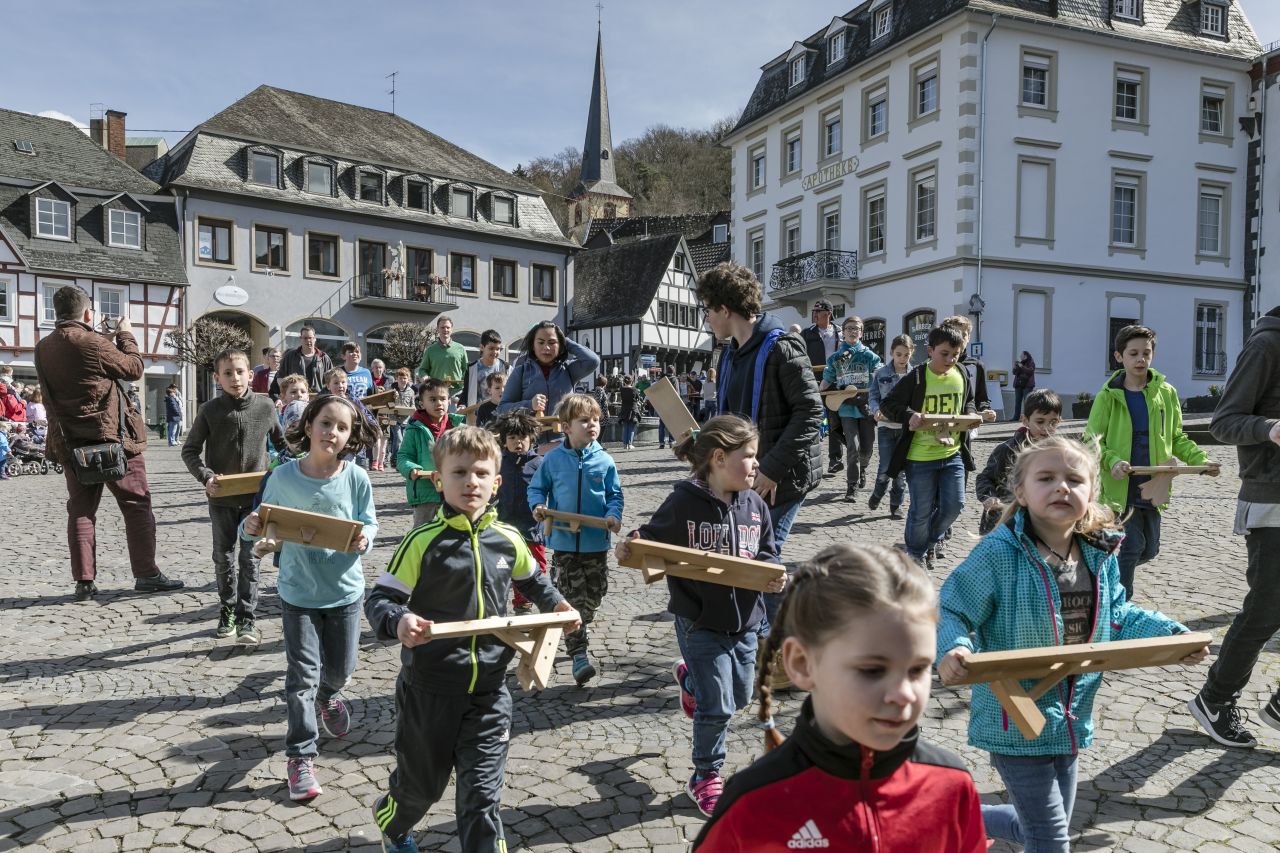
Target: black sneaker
column 1271, row 711
column 157, row 583
column 85, row 590
column 862, row 481
column 939, row 552
column 895, row 512
column 874, row 501
column 928, row 559
column 1224, row 723
column 851, row 495
column 226, row 623
column 835, row 468
column 247, row 633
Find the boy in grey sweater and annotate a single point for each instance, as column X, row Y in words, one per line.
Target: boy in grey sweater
column 231, row 431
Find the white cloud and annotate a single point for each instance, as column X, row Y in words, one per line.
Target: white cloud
column 64, row 117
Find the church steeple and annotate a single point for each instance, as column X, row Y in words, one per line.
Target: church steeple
column 597, row 193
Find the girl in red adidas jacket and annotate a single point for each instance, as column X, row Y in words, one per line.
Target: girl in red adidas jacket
column 857, row 631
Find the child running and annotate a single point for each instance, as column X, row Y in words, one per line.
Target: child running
column 716, row 625
column 1041, row 414
column 856, row 630
column 888, row 432
column 578, row 476
column 494, row 385
column 229, row 436
column 453, row 711
column 414, row 460
column 320, row 590
column 516, row 432
column 1047, row 576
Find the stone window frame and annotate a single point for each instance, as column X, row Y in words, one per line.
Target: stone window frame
column 1019, row 238
column 534, row 269
column 1138, row 180
column 871, row 192
column 307, row 271
column 1141, row 75
column 1222, row 190
column 920, row 73
column 1038, row 57
column 269, row 227
column 215, row 222
column 495, row 263
column 919, row 176
column 787, row 224
column 789, row 134
column 872, row 94
column 1225, row 91
column 832, row 117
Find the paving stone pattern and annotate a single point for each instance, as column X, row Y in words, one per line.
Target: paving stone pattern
column 125, row 726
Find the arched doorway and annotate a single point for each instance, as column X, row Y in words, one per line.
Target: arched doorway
column 329, row 336
column 259, row 338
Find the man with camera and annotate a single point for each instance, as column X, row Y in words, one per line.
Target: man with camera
column 98, row 436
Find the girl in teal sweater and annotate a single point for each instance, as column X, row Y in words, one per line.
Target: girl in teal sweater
column 1046, row 576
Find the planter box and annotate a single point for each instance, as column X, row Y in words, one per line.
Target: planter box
column 1080, row 411
column 1201, row 405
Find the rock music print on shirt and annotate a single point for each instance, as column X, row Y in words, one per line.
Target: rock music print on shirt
column 716, row 537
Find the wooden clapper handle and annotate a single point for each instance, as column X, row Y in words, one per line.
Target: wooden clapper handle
column 1020, row 704
column 270, row 537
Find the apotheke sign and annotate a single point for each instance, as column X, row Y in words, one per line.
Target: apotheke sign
column 830, row 173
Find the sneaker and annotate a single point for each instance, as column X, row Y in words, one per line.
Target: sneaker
column 85, row 590
column 1271, row 711
column 226, row 623
column 851, row 495
column 928, row 559
column 705, row 791
column 895, row 512
column 874, row 501
column 302, row 780
column 335, row 716
column 157, row 583
column 835, row 468
column 862, row 481
column 247, row 633
column 1225, row 723
column 687, row 702
column 939, row 552
column 583, row 671
column 381, row 817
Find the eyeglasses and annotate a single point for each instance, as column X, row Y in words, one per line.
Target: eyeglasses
column 706, row 310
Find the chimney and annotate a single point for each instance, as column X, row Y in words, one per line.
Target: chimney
column 97, row 131
column 115, row 133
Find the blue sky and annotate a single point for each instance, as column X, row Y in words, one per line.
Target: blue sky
column 506, row 79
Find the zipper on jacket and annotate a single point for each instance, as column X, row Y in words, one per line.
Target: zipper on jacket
column 733, row 549
column 1057, row 641
column 864, row 780
column 577, row 537
column 475, row 551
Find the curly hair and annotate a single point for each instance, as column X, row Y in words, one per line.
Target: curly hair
column 363, row 434
column 516, row 423
column 732, row 286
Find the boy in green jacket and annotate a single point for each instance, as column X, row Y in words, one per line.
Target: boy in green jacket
column 1137, row 420
column 414, row 460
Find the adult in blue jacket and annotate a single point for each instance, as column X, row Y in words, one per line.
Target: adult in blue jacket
column 551, row 366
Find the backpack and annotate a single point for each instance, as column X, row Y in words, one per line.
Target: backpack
column 726, row 369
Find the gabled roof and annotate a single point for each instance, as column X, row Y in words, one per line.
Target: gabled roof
column 617, row 284
column 137, row 202
column 64, row 154
column 1172, row 23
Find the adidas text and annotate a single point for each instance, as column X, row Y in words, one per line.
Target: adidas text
column 808, row 837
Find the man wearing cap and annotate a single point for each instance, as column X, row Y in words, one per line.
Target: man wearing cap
column 822, row 339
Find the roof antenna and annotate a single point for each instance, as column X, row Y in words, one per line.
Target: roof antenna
column 392, row 90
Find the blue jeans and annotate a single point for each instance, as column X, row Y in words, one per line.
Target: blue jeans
column 1141, row 544
column 886, row 441
column 937, row 496
column 782, row 517
column 722, row 668
column 173, row 427
column 394, row 436
column 320, row 647
column 628, row 432
column 1042, row 793
column 663, row 435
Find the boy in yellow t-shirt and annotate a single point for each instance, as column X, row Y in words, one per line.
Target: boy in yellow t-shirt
column 935, row 462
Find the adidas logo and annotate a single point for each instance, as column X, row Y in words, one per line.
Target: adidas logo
column 808, row 837
column 503, row 564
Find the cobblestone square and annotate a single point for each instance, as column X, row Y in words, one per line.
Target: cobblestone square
column 124, row 725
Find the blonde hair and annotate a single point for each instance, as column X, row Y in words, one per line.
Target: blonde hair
column 289, row 381
column 469, row 440
column 1097, row 518
column 330, row 374
column 841, row 583
column 576, row 406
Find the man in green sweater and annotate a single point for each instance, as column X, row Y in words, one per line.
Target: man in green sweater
column 445, row 359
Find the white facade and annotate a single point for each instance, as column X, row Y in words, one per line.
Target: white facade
column 1264, row 178
column 1088, row 196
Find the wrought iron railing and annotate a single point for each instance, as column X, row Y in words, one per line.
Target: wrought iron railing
column 381, row 286
column 820, row 265
column 1211, row 363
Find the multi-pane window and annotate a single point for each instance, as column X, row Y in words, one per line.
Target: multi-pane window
column 264, row 168
column 460, row 203
column 791, row 152
column 757, row 255
column 462, row 272
column 124, row 229
column 418, row 195
column 418, row 265
column 504, row 210
column 831, row 227
column 370, row 186
column 927, row 90
column 1213, row 18
column 48, row 312
column 504, row 278
column 924, row 200
column 322, row 255
column 881, row 22
column 877, row 113
column 791, row 237
column 832, row 134
column 662, row 312
column 6, row 299
column 1213, row 108
column 319, row 178
column 544, row 283
column 874, row 218
column 213, row 238
column 270, row 248
column 757, row 168
column 1209, row 221
column 835, row 47
column 53, row 218
column 1211, row 356
column 1035, row 80
column 110, row 302
column 1131, row 9
column 797, row 71
column 1124, row 211
column 1128, row 100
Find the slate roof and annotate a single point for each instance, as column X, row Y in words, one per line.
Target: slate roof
column 300, row 126
column 617, row 284
column 691, row 225
column 66, row 155
column 598, row 173
column 707, row 255
column 1174, row 23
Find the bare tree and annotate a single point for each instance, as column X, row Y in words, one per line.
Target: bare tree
column 404, row 343
column 205, row 338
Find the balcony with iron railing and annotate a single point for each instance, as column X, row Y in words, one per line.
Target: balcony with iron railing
column 384, row 289
column 826, row 272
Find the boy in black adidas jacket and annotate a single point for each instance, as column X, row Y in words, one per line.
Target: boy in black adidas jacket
column 453, row 711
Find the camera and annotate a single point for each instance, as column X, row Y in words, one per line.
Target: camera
column 109, row 324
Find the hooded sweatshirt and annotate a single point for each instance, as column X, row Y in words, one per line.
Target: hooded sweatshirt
column 584, row 481
column 852, row 366
column 1249, row 408
column 693, row 517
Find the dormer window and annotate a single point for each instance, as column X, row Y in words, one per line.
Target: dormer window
column 462, row 203
column 53, row 218
column 1213, row 18
column 264, row 168
column 319, row 178
column 797, row 71
column 1128, row 9
column 881, row 22
column 719, row 233
column 124, row 229
column 369, row 186
column 417, row 195
column 835, row 47
column 504, row 210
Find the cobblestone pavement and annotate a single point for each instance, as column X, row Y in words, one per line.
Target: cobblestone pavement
column 125, row 726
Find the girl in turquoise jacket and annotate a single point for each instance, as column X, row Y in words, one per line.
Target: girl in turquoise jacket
column 1046, row 576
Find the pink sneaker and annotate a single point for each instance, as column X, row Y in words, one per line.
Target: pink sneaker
column 687, row 703
column 705, row 792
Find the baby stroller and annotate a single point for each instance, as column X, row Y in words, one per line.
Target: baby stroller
column 26, row 453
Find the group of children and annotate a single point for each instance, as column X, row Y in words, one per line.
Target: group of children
column 860, row 628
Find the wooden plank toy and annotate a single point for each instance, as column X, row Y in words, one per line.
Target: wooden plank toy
column 671, row 409
column 535, row 638
column 549, row 422
column 656, row 559
column 239, row 484
column 282, row 524
column 378, row 400
column 1049, row 665
column 402, row 411
column 1157, row 489
column 836, row 397
column 570, row 521
column 469, row 412
column 818, row 368
column 948, row 423
column 419, row 474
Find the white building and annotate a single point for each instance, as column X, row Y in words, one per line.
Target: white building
column 1055, row 171
column 1262, row 126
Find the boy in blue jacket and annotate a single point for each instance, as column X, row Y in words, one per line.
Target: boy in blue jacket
column 578, row 476
column 852, row 366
